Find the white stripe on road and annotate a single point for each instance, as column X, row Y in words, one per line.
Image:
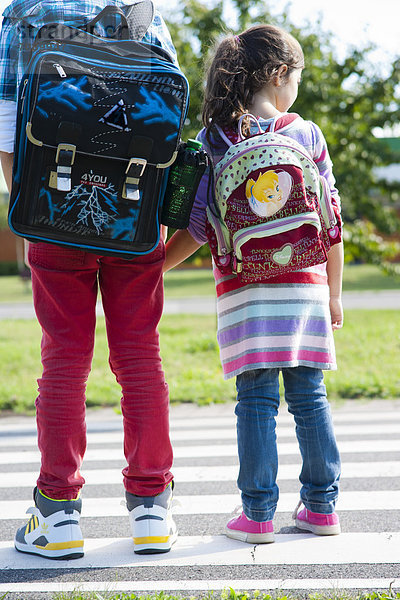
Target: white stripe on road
column 285, row 449
column 284, row 418
column 294, row 549
column 196, row 474
column 115, row 437
column 216, row 504
column 334, row 585
column 217, row 450
column 178, row 422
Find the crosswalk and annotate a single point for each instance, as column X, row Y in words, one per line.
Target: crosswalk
column 366, row 556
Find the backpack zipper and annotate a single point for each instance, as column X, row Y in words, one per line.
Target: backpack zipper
column 221, row 233
column 326, row 206
column 158, row 65
column 42, row 57
column 60, row 70
column 23, row 97
column 273, row 228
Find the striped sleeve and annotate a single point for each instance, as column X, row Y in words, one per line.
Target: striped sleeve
column 198, row 216
column 323, row 161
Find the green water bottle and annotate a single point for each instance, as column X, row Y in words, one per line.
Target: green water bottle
column 183, row 181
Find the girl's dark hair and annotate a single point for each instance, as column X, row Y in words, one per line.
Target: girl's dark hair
column 241, row 66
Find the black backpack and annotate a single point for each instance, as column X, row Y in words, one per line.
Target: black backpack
column 99, row 124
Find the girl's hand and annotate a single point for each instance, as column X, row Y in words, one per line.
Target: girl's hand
column 180, row 246
column 336, row 309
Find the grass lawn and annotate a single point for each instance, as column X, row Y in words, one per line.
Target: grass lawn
column 13, row 290
column 181, row 283
column 368, row 356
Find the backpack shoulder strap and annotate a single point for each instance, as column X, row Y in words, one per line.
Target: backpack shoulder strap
column 281, row 121
column 223, row 135
column 239, row 132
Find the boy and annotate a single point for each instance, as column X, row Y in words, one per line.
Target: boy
column 65, row 284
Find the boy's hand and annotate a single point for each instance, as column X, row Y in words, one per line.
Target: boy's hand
column 164, row 233
column 336, row 309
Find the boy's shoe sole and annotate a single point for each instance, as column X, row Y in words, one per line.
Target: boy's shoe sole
column 69, row 552
column 154, row 544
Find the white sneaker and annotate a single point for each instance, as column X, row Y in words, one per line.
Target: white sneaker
column 153, row 528
column 53, row 530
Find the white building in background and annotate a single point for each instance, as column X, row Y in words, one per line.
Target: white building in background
column 391, row 173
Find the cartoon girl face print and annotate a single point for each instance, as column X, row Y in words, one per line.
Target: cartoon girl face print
column 269, row 193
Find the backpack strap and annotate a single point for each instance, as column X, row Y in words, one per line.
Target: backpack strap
column 281, row 121
column 239, row 129
column 240, row 124
column 140, row 16
column 135, row 20
column 223, row 135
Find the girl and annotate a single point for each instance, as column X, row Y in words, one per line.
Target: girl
column 283, row 325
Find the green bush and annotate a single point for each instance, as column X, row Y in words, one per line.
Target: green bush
column 8, row 268
column 3, row 214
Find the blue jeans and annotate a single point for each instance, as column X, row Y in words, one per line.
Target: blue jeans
column 256, row 410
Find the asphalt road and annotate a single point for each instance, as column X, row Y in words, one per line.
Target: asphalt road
column 366, row 556
column 386, row 299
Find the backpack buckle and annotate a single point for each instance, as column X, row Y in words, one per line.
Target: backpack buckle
column 133, row 174
column 65, row 158
column 236, row 265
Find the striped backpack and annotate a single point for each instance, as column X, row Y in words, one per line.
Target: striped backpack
column 272, row 212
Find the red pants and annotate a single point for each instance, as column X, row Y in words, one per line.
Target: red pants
column 65, row 284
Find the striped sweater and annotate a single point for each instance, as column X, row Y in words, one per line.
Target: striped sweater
column 285, row 323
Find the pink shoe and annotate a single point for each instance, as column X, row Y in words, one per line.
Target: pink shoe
column 316, row 522
column 244, row 529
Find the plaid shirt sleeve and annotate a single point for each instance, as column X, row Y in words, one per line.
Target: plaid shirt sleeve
column 9, row 61
column 159, row 35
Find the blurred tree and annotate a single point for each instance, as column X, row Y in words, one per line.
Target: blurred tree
column 347, row 98
column 3, row 214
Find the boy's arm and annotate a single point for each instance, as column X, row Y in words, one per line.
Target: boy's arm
column 335, row 275
column 7, row 165
column 179, row 247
